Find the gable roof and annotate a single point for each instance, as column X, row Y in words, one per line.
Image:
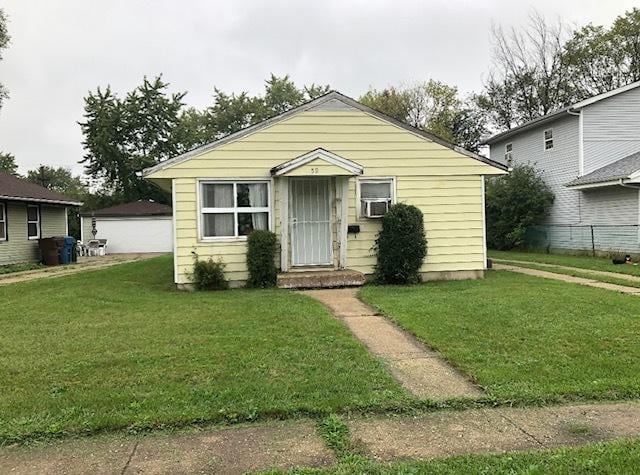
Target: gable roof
column 618, row 171
column 134, row 208
column 350, row 166
column 19, row 189
column 552, row 116
column 330, row 96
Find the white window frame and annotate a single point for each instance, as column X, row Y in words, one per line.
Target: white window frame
column 385, row 179
column 234, row 210
column 3, row 221
column 36, row 222
column 545, row 140
column 508, row 153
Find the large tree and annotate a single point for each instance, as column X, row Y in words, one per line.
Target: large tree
column 529, row 77
column 8, row 163
column 58, row 179
column 4, row 41
column 545, row 66
column 432, row 106
column 122, row 136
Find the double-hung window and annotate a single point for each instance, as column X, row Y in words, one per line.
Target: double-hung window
column 233, row 209
column 3, row 222
column 33, row 221
column 376, row 196
column 548, row 139
column 508, row 153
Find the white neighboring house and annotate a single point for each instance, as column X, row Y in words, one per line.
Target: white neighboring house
column 139, row 226
column 589, row 155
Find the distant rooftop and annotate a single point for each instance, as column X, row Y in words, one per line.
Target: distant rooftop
column 19, row 189
column 134, row 208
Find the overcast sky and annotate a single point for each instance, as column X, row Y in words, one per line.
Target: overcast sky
column 61, row 49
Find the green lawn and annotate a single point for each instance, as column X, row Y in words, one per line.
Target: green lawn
column 524, row 338
column 118, row 348
column 620, row 458
column 584, row 262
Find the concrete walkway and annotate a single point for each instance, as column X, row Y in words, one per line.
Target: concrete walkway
column 84, row 264
column 419, row 369
column 443, row 434
column 284, row 445
column 603, row 273
column 569, row 278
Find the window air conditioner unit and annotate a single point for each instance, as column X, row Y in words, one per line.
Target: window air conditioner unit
column 376, row 208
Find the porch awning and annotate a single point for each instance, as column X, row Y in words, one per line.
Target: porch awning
column 318, row 162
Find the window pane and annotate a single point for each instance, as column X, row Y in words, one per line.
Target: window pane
column 548, row 134
column 548, row 144
column 3, row 234
column 247, row 222
column 217, row 224
column 32, row 229
column 32, row 213
column 217, row 195
column 375, row 190
column 252, row 194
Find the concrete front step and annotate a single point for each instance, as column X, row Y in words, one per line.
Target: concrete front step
column 321, row 279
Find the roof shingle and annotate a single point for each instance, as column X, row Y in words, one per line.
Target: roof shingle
column 134, row 208
column 618, row 170
column 19, row 189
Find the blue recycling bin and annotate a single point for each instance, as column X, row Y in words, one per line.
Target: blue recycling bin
column 67, row 252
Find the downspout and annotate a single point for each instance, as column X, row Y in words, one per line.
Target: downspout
column 580, row 140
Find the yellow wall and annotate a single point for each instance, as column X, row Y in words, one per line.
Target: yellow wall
column 445, row 184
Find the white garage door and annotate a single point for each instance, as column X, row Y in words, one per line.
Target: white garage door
column 136, row 234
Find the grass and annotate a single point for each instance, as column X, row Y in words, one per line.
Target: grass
column 20, row 267
column 586, row 274
column 524, row 338
column 619, row 457
column 119, row 349
column 584, row 262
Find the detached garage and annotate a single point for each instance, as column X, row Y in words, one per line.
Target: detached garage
column 139, row 226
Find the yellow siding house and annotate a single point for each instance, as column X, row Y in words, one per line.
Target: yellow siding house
column 320, row 176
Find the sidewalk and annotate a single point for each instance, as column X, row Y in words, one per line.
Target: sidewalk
column 569, row 278
column 284, row 445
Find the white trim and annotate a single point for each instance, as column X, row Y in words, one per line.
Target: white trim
column 175, row 234
column 319, row 153
column 374, row 179
column 508, row 160
column 581, row 143
column 39, row 200
column 66, row 221
column 484, row 227
column 37, row 222
column 596, row 185
column 284, row 223
column 605, row 95
column 3, row 207
column 344, row 221
column 235, row 210
column 82, row 229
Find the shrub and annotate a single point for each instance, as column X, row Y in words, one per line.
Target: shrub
column 261, row 255
column 514, row 203
column 401, row 245
column 209, row 274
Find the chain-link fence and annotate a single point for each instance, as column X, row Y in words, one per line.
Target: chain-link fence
column 596, row 238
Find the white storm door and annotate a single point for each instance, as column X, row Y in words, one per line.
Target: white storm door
column 310, row 218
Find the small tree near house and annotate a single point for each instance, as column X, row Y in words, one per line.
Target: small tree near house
column 515, row 202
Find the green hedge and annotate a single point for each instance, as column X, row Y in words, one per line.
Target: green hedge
column 401, row 246
column 261, row 259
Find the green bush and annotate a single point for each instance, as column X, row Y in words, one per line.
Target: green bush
column 209, row 274
column 514, row 203
column 261, row 255
column 401, row 246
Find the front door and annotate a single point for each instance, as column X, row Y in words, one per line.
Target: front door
column 310, row 217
